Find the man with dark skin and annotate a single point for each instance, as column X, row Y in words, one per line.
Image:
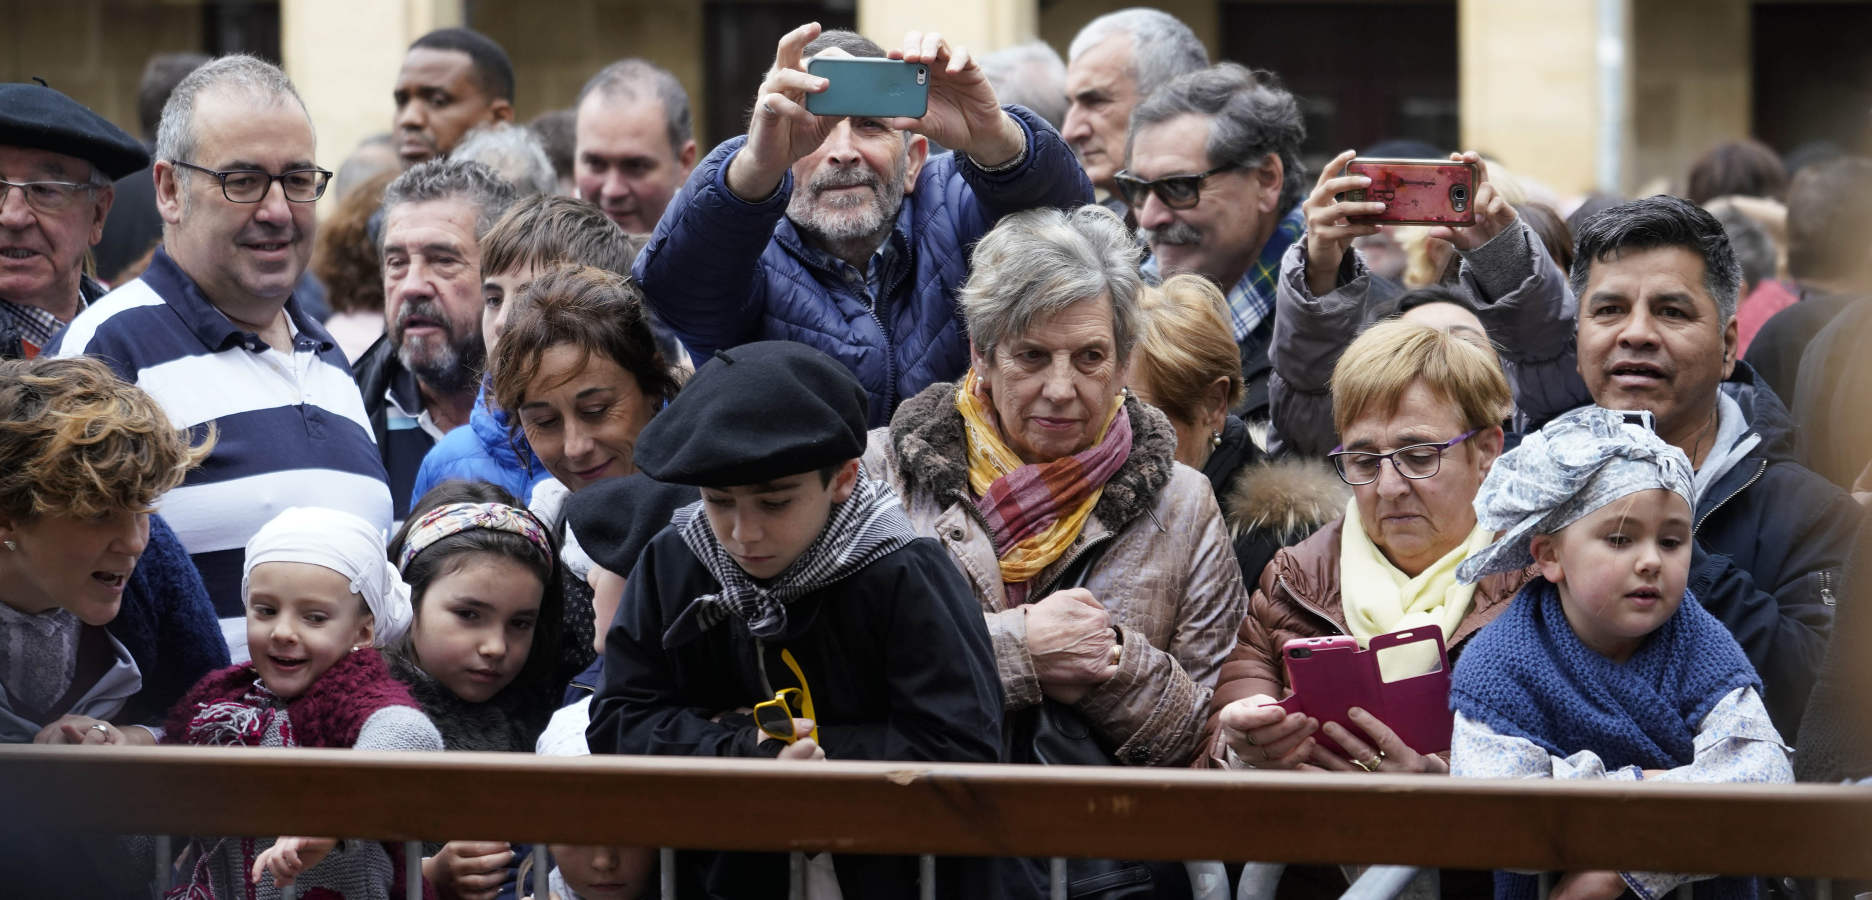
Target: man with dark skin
column 452, row 80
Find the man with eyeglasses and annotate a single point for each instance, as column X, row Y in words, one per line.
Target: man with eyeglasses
column 1212, row 173
column 214, row 332
column 57, row 162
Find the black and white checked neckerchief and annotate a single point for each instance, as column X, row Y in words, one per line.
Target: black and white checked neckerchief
column 867, row 526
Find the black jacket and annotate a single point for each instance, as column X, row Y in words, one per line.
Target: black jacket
column 1772, row 539
column 402, row 449
column 898, row 663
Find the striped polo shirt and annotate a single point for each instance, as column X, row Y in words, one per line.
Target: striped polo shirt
column 291, row 429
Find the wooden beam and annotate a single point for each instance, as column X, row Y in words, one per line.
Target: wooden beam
column 1805, row 830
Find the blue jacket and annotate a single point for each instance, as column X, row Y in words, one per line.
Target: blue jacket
column 1771, row 540
column 481, row 451
column 169, row 626
column 723, row 272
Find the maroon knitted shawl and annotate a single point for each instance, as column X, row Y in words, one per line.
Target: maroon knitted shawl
column 329, row 714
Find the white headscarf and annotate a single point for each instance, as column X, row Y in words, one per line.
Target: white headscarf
column 343, row 543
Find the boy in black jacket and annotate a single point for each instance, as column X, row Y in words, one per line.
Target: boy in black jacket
column 794, row 570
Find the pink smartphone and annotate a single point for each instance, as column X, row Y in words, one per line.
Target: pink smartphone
column 1330, row 675
column 1416, row 191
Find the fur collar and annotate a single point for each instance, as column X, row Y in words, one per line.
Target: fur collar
column 499, row 724
column 329, row 714
column 1289, row 497
column 928, row 438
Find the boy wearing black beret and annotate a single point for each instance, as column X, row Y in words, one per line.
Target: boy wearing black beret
column 794, row 570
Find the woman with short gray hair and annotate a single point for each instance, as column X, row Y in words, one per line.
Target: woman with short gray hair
column 1102, row 565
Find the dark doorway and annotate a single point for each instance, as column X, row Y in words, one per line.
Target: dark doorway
column 242, row 26
column 740, row 43
column 1363, row 72
column 1813, row 74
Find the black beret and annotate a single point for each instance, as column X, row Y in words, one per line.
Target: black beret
column 754, row 414
column 39, row 117
column 615, row 518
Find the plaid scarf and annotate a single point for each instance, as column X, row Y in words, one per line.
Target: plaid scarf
column 1251, row 300
column 869, row 525
column 1035, row 511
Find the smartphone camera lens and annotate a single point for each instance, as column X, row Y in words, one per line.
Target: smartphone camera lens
column 1458, row 197
column 922, row 75
column 1300, row 653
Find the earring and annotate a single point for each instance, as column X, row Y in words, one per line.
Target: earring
column 1215, row 439
column 12, row 546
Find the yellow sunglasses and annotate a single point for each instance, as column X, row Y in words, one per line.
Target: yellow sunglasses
column 775, row 717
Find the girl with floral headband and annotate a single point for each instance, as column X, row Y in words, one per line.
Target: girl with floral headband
column 1605, row 667
column 484, row 582
column 320, row 599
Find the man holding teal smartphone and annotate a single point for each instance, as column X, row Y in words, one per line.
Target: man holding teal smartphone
column 842, row 231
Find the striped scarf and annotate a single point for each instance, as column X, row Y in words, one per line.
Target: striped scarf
column 869, row 525
column 1035, row 511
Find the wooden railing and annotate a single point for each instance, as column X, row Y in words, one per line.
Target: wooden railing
column 1804, row 830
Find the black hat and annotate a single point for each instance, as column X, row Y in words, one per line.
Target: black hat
column 39, row 117
column 756, row 413
column 615, row 518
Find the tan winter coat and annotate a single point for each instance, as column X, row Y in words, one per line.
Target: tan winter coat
column 1168, row 574
column 1299, row 598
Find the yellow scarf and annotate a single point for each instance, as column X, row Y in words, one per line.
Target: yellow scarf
column 1379, row 599
column 990, row 459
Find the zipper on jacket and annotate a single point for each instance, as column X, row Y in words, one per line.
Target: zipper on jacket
column 1826, row 588
column 1738, row 491
column 1280, row 581
column 1105, row 538
column 890, row 357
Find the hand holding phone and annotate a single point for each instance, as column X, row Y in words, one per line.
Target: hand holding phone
column 1416, row 191
column 871, row 88
column 1330, row 676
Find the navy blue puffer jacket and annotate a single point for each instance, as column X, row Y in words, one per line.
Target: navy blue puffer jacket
column 723, row 272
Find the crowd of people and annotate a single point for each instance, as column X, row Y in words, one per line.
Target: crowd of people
column 1020, row 432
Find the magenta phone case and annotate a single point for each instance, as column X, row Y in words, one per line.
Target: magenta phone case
column 1330, row 675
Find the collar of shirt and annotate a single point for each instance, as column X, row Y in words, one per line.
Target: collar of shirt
column 1251, row 299
column 35, row 326
column 211, row 326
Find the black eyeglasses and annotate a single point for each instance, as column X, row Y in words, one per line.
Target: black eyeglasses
column 252, row 185
column 1176, row 191
column 46, row 196
column 1357, row 467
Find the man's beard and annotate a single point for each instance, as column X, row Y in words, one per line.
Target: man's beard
column 846, row 220
column 451, row 368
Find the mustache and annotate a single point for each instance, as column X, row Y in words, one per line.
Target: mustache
column 857, row 176
column 430, row 310
column 1174, row 234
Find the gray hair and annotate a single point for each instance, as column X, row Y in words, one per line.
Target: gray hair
column 1038, row 262
column 175, row 135
column 512, row 151
column 452, row 179
column 634, row 78
column 1250, row 116
column 1162, row 47
column 1753, row 247
column 1032, row 75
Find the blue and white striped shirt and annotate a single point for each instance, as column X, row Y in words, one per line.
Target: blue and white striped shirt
column 291, row 426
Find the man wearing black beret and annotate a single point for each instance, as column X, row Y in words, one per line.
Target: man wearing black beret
column 57, row 162
column 794, row 571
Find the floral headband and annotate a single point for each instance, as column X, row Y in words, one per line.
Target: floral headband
column 455, row 518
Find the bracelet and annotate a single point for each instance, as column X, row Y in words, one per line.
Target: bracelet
column 1008, row 166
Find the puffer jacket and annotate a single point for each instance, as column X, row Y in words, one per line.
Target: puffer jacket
column 1168, row 574
column 721, row 272
column 1532, row 326
column 1299, row 598
column 481, row 451
column 1772, row 540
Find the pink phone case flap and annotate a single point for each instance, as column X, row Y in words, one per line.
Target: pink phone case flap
column 1336, row 676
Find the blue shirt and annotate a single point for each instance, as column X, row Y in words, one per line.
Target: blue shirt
column 290, row 427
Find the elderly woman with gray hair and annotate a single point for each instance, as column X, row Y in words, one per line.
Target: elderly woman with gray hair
column 1103, row 565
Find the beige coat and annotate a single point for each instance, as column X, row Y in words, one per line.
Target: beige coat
column 1168, row 574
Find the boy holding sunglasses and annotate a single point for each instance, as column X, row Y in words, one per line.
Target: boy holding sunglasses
column 795, row 575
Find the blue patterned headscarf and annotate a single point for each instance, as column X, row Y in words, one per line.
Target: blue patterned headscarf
column 1578, row 463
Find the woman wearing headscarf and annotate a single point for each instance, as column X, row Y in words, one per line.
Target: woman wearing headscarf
column 1103, row 566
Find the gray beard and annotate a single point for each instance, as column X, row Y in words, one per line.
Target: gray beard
column 451, row 369
column 850, row 230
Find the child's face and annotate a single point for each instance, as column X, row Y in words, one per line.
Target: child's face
column 475, row 628
column 1620, row 570
column 301, row 619
column 605, row 873
column 765, row 527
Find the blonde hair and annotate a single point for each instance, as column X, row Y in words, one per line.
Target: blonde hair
column 78, row 442
column 1381, row 365
column 1185, row 344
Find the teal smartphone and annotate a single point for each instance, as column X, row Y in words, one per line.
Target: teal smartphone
column 859, row 86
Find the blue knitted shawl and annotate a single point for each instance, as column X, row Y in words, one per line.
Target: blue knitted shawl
column 1528, row 675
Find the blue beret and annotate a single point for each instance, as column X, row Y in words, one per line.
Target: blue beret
column 39, row 117
column 756, row 413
